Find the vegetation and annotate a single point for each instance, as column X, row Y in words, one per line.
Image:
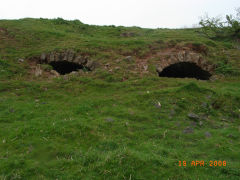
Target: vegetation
column 120, row 124
column 218, row 28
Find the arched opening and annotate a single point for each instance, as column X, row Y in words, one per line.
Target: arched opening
column 185, row 69
column 65, row 67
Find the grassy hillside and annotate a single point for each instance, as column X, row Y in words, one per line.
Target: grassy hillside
column 120, row 124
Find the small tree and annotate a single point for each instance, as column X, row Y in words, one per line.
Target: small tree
column 218, row 28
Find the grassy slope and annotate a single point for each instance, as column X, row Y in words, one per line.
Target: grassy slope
column 97, row 127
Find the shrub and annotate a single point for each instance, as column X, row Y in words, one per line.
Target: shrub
column 60, row 21
column 216, row 27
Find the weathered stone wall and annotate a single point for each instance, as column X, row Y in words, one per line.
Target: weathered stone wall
column 68, row 55
column 185, row 56
column 172, row 57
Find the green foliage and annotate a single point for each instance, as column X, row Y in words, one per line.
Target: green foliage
column 60, row 21
column 217, row 28
column 234, row 26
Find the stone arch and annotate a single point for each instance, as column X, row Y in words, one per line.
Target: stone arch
column 185, row 58
column 66, row 60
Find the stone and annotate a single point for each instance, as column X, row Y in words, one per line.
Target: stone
column 159, row 69
column 193, row 116
column 80, row 60
column 38, row 70
column 118, row 60
column 20, row 60
column 51, row 57
column 73, row 73
column 181, row 56
column 173, row 59
column 43, row 57
column 129, row 59
column 213, row 78
column 145, row 67
column 158, row 105
column 200, row 123
column 55, row 73
column 188, row 57
column 57, row 57
column 71, row 55
column 65, row 56
column 188, row 130
column 90, row 65
column 107, row 65
column 208, row 134
column 196, row 58
column 109, row 120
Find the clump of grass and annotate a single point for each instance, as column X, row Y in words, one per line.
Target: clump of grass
column 46, row 67
column 10, row 70
column 226, row 69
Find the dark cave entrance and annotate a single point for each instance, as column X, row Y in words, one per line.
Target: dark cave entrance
column 65, row 67
column 185, row 70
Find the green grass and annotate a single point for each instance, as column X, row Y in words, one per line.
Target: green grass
column 96, row 126
column 59, row 129
column 34, row 36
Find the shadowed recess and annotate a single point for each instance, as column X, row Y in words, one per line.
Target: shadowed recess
column 185, row 70
column 65, row 67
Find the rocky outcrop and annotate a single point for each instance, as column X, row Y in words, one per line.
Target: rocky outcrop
column 68, row 55
column 184, row 56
